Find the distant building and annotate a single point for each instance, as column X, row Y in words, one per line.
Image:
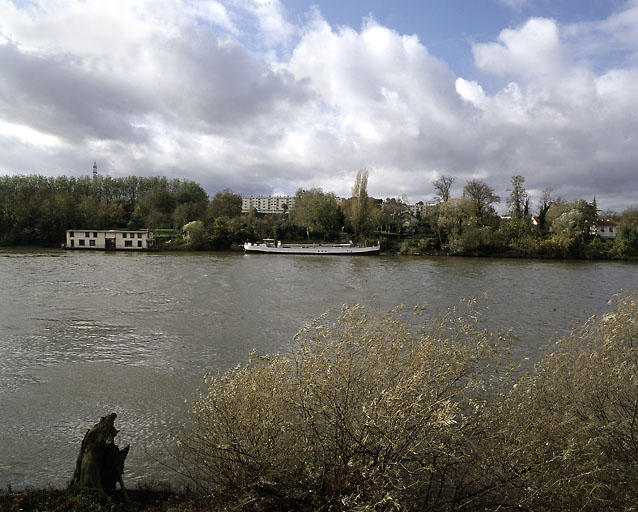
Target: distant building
column 267, row 204
column 136, row 240
column 421, row 208
column 606, row 229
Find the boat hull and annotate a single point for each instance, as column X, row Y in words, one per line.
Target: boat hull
column 318, row 250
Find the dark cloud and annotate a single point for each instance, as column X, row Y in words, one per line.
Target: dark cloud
column 55, row 95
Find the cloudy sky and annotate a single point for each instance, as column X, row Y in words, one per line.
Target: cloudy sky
column 266, row 96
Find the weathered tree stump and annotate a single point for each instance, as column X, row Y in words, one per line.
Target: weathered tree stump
column 100, row 464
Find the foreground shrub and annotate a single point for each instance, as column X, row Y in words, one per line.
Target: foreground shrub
column 374, row 412
column 371, row 412
column 570, row 428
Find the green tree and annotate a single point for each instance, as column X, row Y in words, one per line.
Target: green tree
column 225, row 204
column 360, row 214
column 392, row 211
column 518, row 208
column 155, row 206
column 191, row 202
column 316, row 211
column 568, row 233
column 518, row 198
column 626, row 244
column 456, row 226
column 195, row 235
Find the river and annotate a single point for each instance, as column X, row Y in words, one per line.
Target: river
column 83, row 334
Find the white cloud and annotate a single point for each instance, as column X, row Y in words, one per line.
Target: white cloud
column 532, row 50
column 514, row 4
column 232, row 94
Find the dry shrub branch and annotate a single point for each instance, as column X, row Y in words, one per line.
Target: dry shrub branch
column 374, row 411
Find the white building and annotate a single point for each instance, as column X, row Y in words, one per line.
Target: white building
column 267, row 204
column 606, row 229
column 136, row 240
column 422, row 208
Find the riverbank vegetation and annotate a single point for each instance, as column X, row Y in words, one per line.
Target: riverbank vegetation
column 35, row 210
column 395, row 410
column 378, row 412
column 367, row 413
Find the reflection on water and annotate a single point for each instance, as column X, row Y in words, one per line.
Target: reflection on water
column 84, row 334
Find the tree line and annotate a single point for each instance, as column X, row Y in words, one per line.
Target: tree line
column 37, row 210
column 557, row 228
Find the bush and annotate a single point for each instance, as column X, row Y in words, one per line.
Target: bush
column 370, row 412
column 570, row 428
column 379, row 412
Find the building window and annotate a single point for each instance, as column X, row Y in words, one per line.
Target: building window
column 94, row 234
column 86, row 235
column 71, row 234
column 128, row 243
column 123, row 235
column 139, row 235
column 602, row 230
column 139, row 243
column 92, row 243
column 81, row 242
column 611, row 230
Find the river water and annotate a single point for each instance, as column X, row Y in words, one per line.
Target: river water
column 83, row 334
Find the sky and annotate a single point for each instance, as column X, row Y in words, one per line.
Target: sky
column 267, row 96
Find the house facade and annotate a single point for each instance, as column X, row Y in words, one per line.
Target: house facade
column 134, row 240
column 607, row 228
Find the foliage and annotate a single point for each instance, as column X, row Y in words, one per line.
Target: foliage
column 391, row 214
column 225, row 204
column 573, row 228
column 360, row 206
column 316, row 211
column 370, row 411
column 456, row 225
column 38, row 210
column 195, row 235
column 379, row 412
column 626, row 245
column 569, row 430
column 520, row 224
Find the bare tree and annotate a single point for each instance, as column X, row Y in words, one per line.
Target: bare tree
column 483, row 197
column 443, row 186
column 518, row 198
column 544, row 204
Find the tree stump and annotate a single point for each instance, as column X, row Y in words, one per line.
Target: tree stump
column 100, row 464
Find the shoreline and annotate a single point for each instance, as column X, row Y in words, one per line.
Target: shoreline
column 509, row 254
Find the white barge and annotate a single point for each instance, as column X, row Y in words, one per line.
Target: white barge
column 269, row 246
